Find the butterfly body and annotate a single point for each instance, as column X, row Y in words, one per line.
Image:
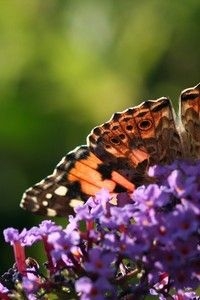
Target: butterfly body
column 119, row 152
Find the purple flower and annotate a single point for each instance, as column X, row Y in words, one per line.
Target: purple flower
column 38, row 233
column 100, row 262
column 12, row 235
column 95, row 206
column 30, row 285
column 185, row 295
column 84, row 287
column 93, row 290
column 64, row 246
column 3, row 289
column 153, row 233
column 47, row 227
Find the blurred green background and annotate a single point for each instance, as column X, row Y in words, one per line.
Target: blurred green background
column 66, row 66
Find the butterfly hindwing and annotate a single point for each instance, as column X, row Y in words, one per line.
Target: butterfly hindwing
column 146, row 132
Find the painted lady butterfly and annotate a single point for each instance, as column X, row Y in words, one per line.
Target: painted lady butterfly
column 119, row 152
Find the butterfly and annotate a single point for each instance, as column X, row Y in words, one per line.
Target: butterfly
column 118, row 153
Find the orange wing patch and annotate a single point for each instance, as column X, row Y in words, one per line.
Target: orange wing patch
column 85, row 171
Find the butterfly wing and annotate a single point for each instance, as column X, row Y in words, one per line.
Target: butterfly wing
column 138, row 137
column 79, row 175
column 190, row 117
column 116, row 156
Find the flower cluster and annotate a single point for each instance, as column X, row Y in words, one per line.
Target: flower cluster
column 147, row 244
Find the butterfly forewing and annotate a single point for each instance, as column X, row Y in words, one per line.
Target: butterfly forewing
column 80, row 174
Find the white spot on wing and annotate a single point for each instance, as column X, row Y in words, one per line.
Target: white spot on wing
column 61, row 190
column 75, row 202
column 45, row 203
column 48, row 195
column 51, row 212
